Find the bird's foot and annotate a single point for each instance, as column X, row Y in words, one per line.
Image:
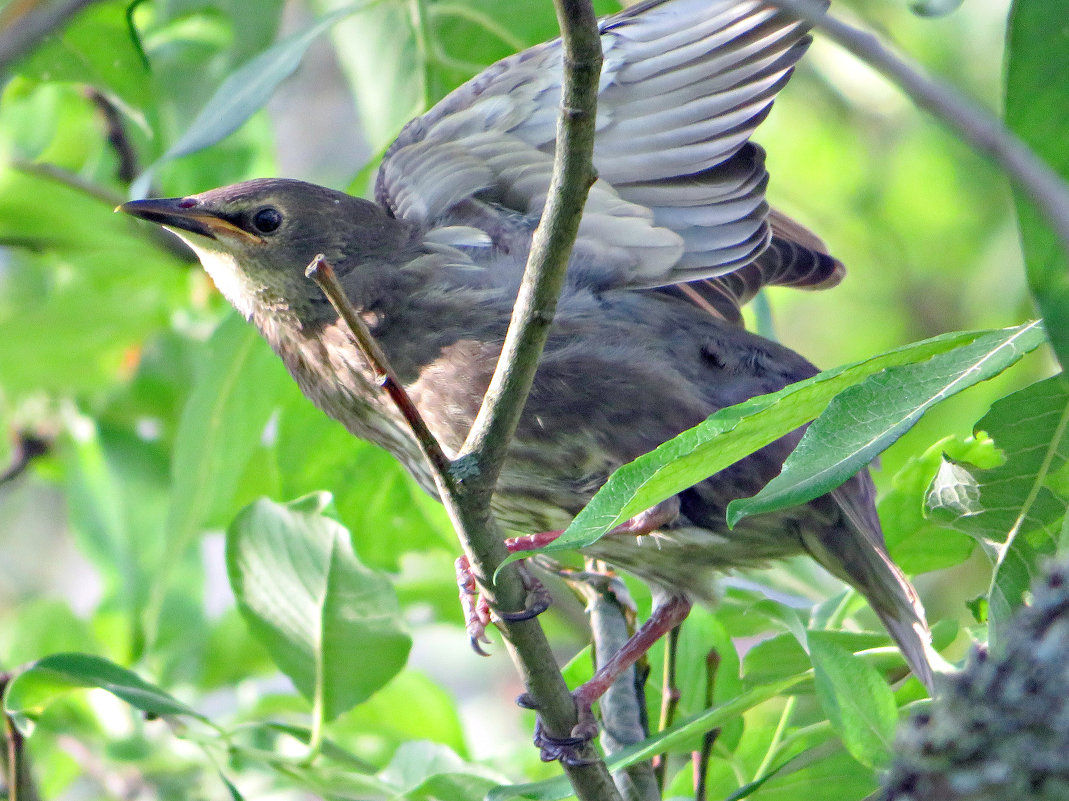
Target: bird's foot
column 568, row 750
column 477, row 613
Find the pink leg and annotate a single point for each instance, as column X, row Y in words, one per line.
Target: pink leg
column 665, row 617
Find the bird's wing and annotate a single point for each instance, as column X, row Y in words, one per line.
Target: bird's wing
column 681, row 193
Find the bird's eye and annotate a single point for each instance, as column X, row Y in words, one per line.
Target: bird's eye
column 267, row 220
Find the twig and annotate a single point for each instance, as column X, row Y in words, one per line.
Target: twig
column 975, row 125
column 466, row 485
column 28, row 447
column 20, row 35
column 165, row 241
column 669, row 699
column 14, row 763
column 322, row 273
column 573, row 175
column 701, row 759
column 623, row 707
column 120, row 142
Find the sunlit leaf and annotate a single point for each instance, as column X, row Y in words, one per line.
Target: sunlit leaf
column 243, row 93
column 331, row 624
column 856, row 699
column 731, row 434
column 863, row 420
column 1037, row 110
column 1016, row 509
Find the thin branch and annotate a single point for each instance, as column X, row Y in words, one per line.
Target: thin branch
column 322, row 273
column 28, row 446
column 623, row 707
column 20, row 35
column 573, row 175
column 14, row 762
column 975, row 125
column 466, row 485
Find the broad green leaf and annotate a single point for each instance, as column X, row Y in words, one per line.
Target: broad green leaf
column 856, row 699
column 865, row 419
column 837, row 778
column 330, row 624
column 375, row 496
column 1037, row 110
column 244, row 92
column 425, row 771
column 222, row 424
column 32, row 690
column 1016, row 509
column 728, row 436
column 410, row 707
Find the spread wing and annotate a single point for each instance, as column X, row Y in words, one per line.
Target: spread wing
column 681, row 190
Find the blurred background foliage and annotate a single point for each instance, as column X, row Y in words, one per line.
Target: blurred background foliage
column 164, row 415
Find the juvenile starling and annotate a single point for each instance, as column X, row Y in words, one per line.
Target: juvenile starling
column 647, row 340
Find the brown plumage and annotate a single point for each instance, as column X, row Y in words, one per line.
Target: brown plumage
column 647, row 342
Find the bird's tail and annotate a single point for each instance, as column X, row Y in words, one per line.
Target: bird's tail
column 855, row 552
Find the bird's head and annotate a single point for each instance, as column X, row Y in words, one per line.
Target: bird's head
column 256, row 238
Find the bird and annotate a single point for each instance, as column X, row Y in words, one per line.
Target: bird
column 648, row 339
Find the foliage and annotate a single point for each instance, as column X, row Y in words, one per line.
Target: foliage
column 170, row 421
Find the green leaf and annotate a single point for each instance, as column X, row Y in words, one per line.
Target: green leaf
column 858, row 702
column 244, row 92
column 221, row 426
column 916, row 542
column 46, row 680
column 1016, row 509
column 1037, row 110
column 865, row 419
column 94, row 48
column 375, row 496
column 728, row 436
column 312, row 604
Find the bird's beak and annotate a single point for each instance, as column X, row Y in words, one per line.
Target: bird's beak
column 185, row 213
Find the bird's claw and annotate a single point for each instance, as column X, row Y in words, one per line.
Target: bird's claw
column 477, row 614
column 567, row 750
column 536, row 603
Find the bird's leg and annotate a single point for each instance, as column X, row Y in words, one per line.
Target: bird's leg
column 668, row 614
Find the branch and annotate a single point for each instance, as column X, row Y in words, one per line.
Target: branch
column 573, row 175
column 975, row 125
column 322, row 273
column 623, row 707
column 21, row 34
column 466, row 485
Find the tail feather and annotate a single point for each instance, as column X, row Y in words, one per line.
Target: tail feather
column 855, row 552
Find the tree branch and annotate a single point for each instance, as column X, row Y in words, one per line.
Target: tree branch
column 573, row 175
column 21, row 34
column 466, row 485
column 975, row 125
